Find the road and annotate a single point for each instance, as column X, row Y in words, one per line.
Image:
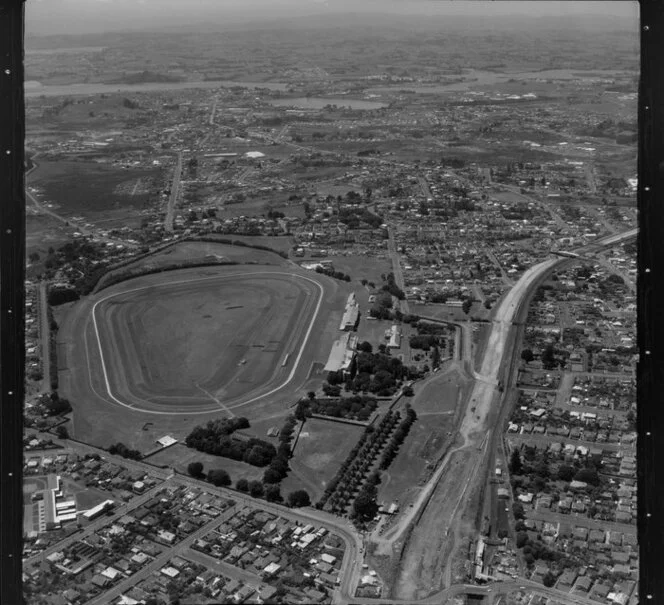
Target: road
column 628, row 279
column 45, row 336
column 542, row 440
column 474, row 426
column 506, row 278
column 396, row 267
column 351, row 567
column 581, row 520
column 160, row 561
column 95, row 525
column 491, row 591
column 175, row 189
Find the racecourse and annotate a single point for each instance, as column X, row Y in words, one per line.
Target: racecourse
column 200, row 344
column 235, row 340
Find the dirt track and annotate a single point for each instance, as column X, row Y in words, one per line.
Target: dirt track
column 100, row 417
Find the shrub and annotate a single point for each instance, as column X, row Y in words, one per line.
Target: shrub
column 219, row 477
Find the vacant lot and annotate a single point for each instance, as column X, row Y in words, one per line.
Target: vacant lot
column 89, row 187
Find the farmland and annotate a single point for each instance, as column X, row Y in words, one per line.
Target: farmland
column 92, row 188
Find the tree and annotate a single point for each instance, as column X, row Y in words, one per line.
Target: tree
column 256, row 489
column 521, row 539
column 195, row 469
column 62, row 432
column 365, row 507
column 273, row 493
column 548, row 359
column 466, row 305
column 271, row 475
column 299, row 498
column 242, row 485
column 241, row 423
column 527, row 355
column 301, row 411
column 219, row 477
column 566, row 472
column 549, row 579
column 515, row 462
column 589, row 475
column 365, row 347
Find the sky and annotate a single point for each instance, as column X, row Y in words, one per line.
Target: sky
column 45, row 17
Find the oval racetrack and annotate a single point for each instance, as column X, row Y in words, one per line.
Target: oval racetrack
column 199, row 345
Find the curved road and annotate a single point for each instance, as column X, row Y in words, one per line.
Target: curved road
column 473, row 429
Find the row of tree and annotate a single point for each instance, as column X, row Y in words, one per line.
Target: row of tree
column 332, row 273
column 398, row 437
column 359, row 462
column 120, row 449
column 257, row 489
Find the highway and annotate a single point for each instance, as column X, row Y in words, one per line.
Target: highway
column 474, row 426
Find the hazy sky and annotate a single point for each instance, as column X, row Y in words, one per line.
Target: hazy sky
column 92, row 16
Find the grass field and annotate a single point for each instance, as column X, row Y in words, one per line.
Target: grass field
column 190, row 251
column 179, row 456
column 362, row 267
column 201, row 340
column 101, row 420
column 89, row 187
column 321, row 448
column 436, row 402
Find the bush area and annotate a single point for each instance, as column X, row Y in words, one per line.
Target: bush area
column 377, row 373
column 216, row 438
column 358, row 407
column 382, row 306
column 120, row 449
column 53, row 351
